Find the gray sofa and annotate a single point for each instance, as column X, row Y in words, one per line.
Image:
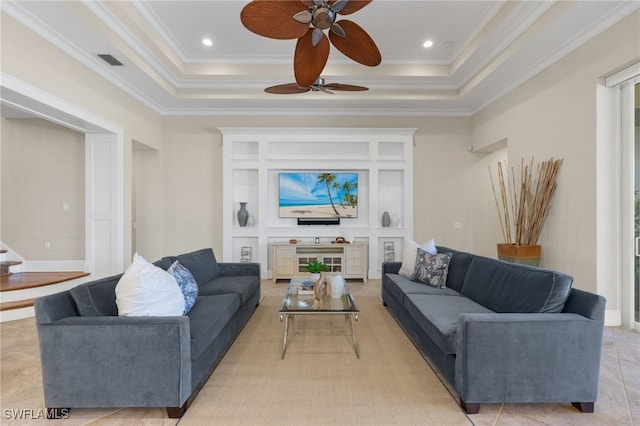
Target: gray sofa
column 503, row 333
column 91, row 357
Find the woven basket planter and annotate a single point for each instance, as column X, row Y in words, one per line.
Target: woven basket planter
column 524, row 255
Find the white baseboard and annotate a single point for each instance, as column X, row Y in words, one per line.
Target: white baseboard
column 55, row 265
column 16, row 314
column 612, row 318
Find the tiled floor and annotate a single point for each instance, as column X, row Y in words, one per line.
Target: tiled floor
column 618, row 401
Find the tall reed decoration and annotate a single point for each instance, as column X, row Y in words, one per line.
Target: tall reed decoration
column 523, row 199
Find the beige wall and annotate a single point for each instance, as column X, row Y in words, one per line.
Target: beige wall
column 554, row 115
column 38, row 63
column 42, row 168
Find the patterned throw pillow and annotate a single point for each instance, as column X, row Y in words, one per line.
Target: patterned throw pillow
column 187, row 284
column 432, row 268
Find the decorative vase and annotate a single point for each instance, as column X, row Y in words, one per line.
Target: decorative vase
column 386, row 219
column 243, row 214
column 336, row 285
column 320, row 289
column 524, row 255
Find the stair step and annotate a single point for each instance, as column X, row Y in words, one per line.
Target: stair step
column 6, row 264
column 7, row 306
column 22, row 280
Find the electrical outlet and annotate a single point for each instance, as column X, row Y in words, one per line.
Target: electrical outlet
column 457, row 225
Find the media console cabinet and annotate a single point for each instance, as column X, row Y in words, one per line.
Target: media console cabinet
column 348, row 260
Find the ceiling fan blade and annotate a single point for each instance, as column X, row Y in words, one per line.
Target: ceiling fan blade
column 309, row 60
column 356, row 44
column 274, row 19
column 353, row 6
column 345, row 87
column 286, row 89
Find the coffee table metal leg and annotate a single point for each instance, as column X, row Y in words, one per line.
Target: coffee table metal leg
column 286, row 333
column 353, row 334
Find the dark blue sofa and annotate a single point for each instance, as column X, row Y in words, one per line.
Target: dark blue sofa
column 503, row 333
column 91, row 357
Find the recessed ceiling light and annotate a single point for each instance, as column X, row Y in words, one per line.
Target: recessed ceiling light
column 207, row 42
column 427, row 43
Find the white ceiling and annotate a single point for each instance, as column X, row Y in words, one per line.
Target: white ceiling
column 482, row 50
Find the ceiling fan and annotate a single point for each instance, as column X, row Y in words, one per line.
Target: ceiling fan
column 307, row 20
column 318, row 86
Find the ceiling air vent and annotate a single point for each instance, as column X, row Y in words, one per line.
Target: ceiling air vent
column 110, row 60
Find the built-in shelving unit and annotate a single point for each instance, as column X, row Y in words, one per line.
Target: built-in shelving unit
column 254, row 158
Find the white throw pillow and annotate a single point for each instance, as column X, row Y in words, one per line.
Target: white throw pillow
column 146, row 290
column 409, row 252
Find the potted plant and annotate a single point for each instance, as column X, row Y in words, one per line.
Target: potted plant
column 315, row 267
column 523, row 206
column 317, row 270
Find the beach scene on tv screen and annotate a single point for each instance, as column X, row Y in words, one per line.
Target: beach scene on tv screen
column 318, row 195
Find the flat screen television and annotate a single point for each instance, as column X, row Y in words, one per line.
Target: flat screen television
column 318, row 195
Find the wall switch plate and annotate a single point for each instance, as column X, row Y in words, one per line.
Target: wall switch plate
column 65, row 207
column 457, row 225
column 47, row 245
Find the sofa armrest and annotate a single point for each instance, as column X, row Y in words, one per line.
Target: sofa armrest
column 527, row 357
column 391, row 267
column 54, row 307
column 238, row 269
column 111, row 361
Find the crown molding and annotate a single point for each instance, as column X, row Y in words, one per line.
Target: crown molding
column 622, row 11
column 36, row 25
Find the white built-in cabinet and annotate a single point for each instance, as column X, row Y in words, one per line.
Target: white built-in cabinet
column 253, row 160
column 348, row 260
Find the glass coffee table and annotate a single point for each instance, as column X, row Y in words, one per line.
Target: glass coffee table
column 298, row 304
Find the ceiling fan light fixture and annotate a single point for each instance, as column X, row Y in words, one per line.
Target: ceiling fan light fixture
column 322, row 17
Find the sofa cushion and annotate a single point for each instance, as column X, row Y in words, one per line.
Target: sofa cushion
column 510, row 287
column 147, row 290
column 186, row 282
column 458, row 267
column 202, row 264
column 165, row 263
column 242, row 285
column 409, row 252
column 400, row 286
column 438, row 316
column 431, row 269
column 97, row 298
column 208, row 317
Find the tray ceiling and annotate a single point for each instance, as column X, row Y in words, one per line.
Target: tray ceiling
column 481, row 50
